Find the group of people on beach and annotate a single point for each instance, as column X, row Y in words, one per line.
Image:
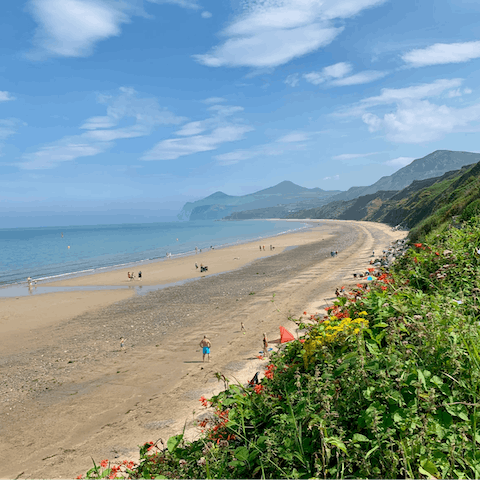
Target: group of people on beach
column 262, row 247
column 131, row 275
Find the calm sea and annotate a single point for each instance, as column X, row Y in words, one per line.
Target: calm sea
column 45, row 253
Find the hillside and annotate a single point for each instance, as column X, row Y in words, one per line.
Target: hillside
column 433, row 165
column 219, row 204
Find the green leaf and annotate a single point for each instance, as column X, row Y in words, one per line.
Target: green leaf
column 241, row 453
column 358, row 437
column 174, row 442
column 430, row 468
column 336, row 442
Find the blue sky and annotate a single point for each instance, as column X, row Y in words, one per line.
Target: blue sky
column 123, row 110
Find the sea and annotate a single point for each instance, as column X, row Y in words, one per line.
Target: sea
column 54, row 253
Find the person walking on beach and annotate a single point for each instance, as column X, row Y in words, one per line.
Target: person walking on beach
column 260, row 248
column 265, row 345
column 206, row 345
column 242, row 328
column 196, row 266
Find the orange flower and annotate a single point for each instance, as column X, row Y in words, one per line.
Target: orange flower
column 258, row 388
column 104, row 463
column 418, row 245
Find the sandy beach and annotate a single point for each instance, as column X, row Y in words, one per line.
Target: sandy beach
column 70, row 392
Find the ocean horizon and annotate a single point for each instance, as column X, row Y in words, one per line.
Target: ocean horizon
column 47, row 253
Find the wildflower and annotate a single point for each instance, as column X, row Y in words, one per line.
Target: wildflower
column 258, row 388
column 383, row 288
column 204, row 401
column 259, row 357
column 415, row 260
column 104, row 463
column 182, row 462
column 223, row 443
column 79, row 477
column 304, row 313
column 436, row 253
column 201, row 461
column 418, row 245
column 363, row 313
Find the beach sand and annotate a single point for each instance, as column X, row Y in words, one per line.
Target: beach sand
column 70, row 392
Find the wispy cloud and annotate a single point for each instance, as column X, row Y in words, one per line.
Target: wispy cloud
column 399, row 161
column 215, row 100
column 8, row 127
column 293, row 141
column 338, row 75
column 202, row 135
column 272, row 32
column 6, row 96
column 358, row 78
column 72, row 28
column 99, row 136
column 206, row 14
column 442, row 53
column 293, row 80
column 333, row 177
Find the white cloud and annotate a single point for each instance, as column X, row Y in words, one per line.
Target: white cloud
column 442, row 53
column 337, row 76
column 414, row 117
column 211, row 100
column 422, row 121
column 334, row 177
column 70, row 28
column 206, row 14
column 202, row 135
column 358, row 78
column 98, row 122
column 99, row 137
column 174, row 148
column 399, row 162
column 418, row 92
column 291, row 142
column 350, row 156
column 272, row 32
column 294, row 137
column 293, row 80
column 337, row 70
column 6, row 96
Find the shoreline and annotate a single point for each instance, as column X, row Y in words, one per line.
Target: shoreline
column 71, row 393
column 97, row 270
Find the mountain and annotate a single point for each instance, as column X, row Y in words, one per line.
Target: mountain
column 422, row 206
column 355, row 209
column 433, row 165
column 219, row 205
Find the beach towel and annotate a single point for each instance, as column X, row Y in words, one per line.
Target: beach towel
column 285, row 335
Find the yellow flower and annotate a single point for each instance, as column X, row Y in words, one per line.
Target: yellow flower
column 363, row 313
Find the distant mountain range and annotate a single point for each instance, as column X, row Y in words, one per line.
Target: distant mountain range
column 290, row 200
column 219, row 205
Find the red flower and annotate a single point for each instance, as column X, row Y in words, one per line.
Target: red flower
column 259, row 357
column 384, row 288
column 304, row 313
column 436, row 253
column 418, row 245
column 258, row 388
column 79, row 476
column 104, row 463
column 204, row 403
column 415, row 260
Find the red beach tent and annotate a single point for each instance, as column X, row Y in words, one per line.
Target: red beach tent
column 285, row 335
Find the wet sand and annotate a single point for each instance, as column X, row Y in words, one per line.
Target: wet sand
column 69, row 392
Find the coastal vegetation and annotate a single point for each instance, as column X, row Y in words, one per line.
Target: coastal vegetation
column 386, row 385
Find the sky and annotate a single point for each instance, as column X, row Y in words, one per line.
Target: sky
column 117, row 111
